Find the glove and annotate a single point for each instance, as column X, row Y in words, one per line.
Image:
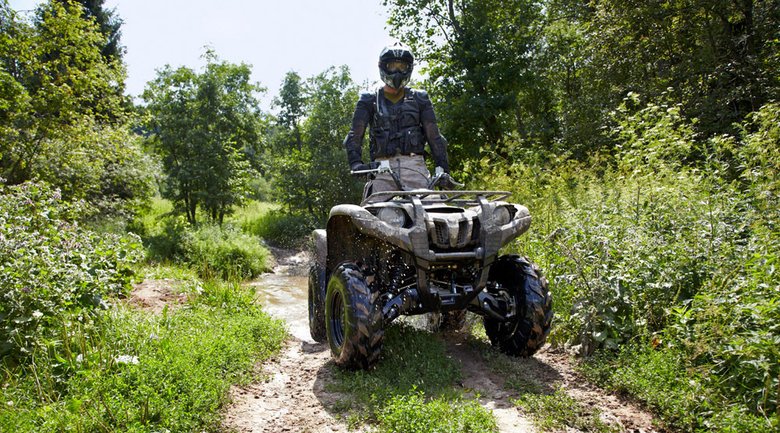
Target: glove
column 446, row 182
column 359, row 166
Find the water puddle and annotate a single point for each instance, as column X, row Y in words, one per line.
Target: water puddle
column 283, row 294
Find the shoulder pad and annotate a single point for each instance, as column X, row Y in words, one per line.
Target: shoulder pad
column 367, row 97
column 420, row 95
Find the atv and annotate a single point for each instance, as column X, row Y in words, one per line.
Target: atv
column 411, row 252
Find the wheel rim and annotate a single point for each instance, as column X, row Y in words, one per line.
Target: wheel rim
column 337, row 319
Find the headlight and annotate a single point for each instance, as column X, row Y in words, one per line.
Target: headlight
column 392, row 215
column 501, row 215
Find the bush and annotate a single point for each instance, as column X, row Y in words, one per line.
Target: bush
column 281, row 229
column 51, row 269
column 652, row 248
column 225, row 252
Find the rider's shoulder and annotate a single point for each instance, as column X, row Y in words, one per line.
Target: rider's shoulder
column 367, row 97
column 420, row 95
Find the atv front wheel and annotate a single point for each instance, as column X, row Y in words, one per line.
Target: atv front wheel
column 353, row 319
column 520, row 284
column 317, row 303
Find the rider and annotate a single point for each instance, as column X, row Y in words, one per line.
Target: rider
column 400, row 120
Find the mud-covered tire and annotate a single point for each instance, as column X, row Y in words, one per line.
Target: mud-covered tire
column 451, row 321
column 521, row 279
column 353, row 319
column 317, row 292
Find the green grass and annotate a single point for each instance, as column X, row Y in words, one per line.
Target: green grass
column 413, row 388
column 413, row 413
column 543, row 401
column 559, row 411
column 140, row 372
column 280, row 229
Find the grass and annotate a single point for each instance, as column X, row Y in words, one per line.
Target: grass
column 548, row 406
column 214, row 251
column 412, row 389
column 140, row 372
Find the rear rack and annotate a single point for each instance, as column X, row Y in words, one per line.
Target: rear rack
column 460, row 198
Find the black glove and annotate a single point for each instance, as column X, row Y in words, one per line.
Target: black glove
column 447, row 182
column 359, row 166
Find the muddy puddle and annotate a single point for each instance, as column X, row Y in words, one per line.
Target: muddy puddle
column 283, row 293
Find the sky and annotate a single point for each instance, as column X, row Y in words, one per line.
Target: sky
column 274, row 36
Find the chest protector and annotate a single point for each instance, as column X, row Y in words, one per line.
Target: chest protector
column 396, row 128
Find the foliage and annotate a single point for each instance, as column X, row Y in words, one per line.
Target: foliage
column 212, row 251
column 281, row 229
column 413, row 414
column 645, row 252
column 205, row 126
column 62, row 114
column 310, row 170
column 141, row 372
column 109, row 24
column 52, row 271
column 225, row 251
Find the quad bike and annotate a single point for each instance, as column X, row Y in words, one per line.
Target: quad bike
column 410, row 252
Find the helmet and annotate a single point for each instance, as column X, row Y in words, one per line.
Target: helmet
column 396, row 63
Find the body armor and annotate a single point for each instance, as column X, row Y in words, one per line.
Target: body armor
column 396, row 128
column 402, row 128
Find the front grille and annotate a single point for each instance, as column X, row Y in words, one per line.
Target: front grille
column 442, row 234
column 451, row 234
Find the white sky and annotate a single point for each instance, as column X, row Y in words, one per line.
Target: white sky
column 274, row 36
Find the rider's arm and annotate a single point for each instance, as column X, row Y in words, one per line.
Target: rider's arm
column 354, row 140
column 436, row 141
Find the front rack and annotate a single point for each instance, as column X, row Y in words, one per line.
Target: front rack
column 460, row 198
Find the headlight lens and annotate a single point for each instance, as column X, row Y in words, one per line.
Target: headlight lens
column 501, row 215
column 392, row 215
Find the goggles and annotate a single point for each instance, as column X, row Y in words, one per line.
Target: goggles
column 396, row 66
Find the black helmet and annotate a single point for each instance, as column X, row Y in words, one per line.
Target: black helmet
column 396, row 63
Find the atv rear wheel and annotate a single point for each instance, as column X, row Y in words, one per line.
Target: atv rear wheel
column 520, row 283
column 317, row 303
column 353, row 319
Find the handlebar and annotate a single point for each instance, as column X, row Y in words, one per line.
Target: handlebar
column 384, row 167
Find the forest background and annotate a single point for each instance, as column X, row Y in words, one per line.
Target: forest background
column 644, row 136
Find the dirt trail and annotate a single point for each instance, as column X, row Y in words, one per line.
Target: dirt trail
column 292, row 397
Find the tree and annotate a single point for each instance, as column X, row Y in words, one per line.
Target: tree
column 63, row 119
column 203, row 126
column 481, row 68
column 718, row 57
column 109, row 24
column 309, row 160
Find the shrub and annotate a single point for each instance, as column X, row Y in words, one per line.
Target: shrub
column 281, row 229
column 51, row 269
column 225, row 252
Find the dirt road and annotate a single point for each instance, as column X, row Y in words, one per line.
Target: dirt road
column 293, row 397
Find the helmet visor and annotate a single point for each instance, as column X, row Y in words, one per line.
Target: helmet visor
column 397, row 66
